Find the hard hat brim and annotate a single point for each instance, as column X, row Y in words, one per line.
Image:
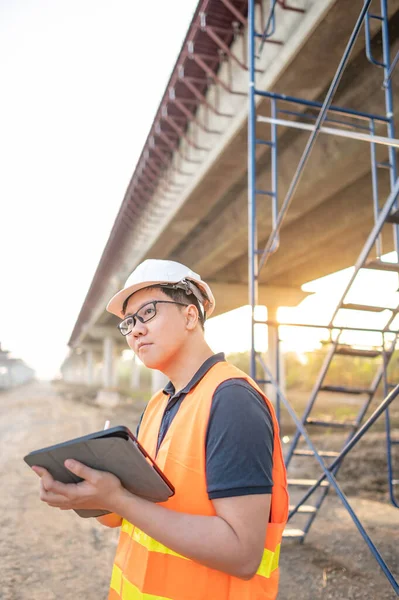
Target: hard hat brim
column 115, row 305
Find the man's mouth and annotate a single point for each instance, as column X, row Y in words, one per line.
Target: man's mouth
column 140, row 346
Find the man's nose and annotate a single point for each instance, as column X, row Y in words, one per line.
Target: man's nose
column 139, row 329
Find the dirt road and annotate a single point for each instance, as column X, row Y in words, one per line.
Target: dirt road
column 47, row 554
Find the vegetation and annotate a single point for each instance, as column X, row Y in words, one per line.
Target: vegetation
column 301, row 372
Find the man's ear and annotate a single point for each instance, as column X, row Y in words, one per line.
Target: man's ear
column 192, row 317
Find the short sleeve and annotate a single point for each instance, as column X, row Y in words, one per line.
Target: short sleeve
column 239, row 442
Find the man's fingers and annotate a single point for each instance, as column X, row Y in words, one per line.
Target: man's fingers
column 53, row 499
column 48, row 484
column 81, row 470
column 39, row 470
column 46, row 480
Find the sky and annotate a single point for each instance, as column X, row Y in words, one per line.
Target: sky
column 81, row 82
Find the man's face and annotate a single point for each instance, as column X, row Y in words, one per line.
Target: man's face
column 157, row 341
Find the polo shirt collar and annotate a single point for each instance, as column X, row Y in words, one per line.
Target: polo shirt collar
column 169, row 389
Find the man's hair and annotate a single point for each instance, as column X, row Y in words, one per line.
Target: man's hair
column 177, row 295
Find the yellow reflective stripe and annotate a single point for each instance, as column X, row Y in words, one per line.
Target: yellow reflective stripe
column 116, row 579
column 269, row 562
column 152, row 545
column 131, row 592
column 276, row 557
column 127, row 527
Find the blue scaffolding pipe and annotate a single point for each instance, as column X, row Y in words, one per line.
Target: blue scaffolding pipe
column 369, row 53
column 337, row 328
column 302, row 115
column 252, row 237
column 310, row 144
column 274, row 156
column 270, row 24
column 388, row 69
column 313, row 104
column 353, row 135
column 374, row 187
column 356, row 438
column 388, row 438
column 389, row 106
column 391, row 69
column 333, row 482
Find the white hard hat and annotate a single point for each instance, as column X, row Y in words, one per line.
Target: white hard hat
column 168, row 272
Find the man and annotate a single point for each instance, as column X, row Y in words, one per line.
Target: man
column 215, row 436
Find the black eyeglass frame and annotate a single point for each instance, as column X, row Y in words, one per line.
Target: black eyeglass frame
column 135, row 316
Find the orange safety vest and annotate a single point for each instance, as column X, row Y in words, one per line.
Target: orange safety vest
column 145, row 569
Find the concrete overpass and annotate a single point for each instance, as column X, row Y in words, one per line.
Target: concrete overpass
column 187, row 199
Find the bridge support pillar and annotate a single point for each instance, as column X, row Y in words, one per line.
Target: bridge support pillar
column 109, row 379
column 158, row 381
column 275, row 358
column 89, row 367
column 135, row 375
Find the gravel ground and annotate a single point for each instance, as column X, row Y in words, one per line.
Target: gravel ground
column 48, row 554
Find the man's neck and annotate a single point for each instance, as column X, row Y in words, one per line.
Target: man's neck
column 185, row 366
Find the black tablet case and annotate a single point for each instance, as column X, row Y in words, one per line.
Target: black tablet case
column 117, row 455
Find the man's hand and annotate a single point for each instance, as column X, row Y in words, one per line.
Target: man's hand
column 98, row 490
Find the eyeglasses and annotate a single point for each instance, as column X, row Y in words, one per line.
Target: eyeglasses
column 144, row 314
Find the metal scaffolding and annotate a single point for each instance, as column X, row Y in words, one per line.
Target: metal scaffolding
column 289, row 111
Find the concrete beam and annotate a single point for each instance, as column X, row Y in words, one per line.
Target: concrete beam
column 307, row 75
column 101, row 331
column 330, row 237
column 233, row 295
column 332, row 256
column 192, row 225
column 335, row 164
column 295, row 28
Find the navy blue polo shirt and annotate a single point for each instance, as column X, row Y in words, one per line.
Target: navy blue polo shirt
column 239, row 440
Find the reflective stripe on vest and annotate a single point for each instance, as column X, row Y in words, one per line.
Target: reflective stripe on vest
column 144, row 568
column 268, row 564
column 128, row 591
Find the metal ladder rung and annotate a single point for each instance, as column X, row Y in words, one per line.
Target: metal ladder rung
column 306, row 509
column 352, row 306
column 265, row 193
column 393, row 217
column 361, row 352
column 264, row 143
column 381, row 265
column 293, row 533
column 384, row 165
column 395, row 481
column 340, row 389
column 322, row 453
column 306, row 482
column 334, row 424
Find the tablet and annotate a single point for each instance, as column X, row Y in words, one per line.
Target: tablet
column 115, row 450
